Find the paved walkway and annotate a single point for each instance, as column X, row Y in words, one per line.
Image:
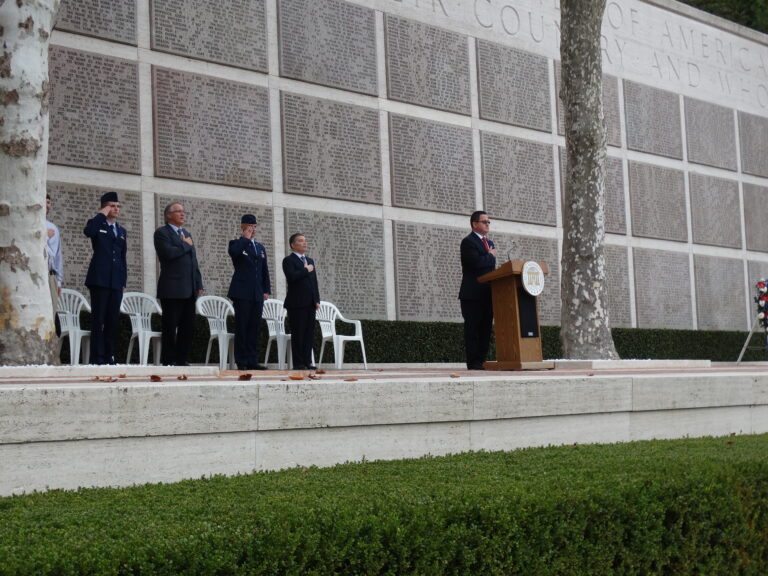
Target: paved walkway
column 131, row 374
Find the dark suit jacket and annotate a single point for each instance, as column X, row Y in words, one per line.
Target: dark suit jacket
column 302, row 285
column 475, row 261
column 251, row 278
column 108, row 267
column 179, row 273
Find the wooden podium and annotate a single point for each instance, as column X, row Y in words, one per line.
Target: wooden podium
column 516, row 320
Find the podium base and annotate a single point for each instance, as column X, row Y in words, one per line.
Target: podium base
column 514, row 366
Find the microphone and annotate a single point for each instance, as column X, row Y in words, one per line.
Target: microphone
column 511, row 249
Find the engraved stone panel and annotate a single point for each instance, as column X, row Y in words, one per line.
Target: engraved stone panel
column 719, row 293
column 427, row 282
column 715, row 211
column 755, row 209
column 331, row 149
column 757, row 271
column 611, row 109
column 349, row 255
column 657, row 201
column 432, row 165
column 72, row 205
column 513, row 86
column 653, row 120
column 615, row 216
column 427, row 65
column 617, row 272
column 212, row 224
column 662, row 289
column 422, row 294
column 110, row 19
column 94, row 118
column 710, row 134
column 328, row 42
column 233, row 32
column 211, row 130
column 753, row 136
column 518, row 179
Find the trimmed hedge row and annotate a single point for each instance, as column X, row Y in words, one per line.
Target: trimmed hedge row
column 683, row 507
column 425, row 342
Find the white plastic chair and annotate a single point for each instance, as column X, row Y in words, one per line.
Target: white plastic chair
column 140, row 307
column 274, row 313
column 216, row 309
column 71, row 302
column 327, row 316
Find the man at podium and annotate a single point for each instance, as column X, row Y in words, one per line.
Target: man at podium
column 478, row 256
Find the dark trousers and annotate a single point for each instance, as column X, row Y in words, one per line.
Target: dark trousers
column 247, row 325
column 178, row 322
column 105, row 320
column 478, row 322
column 302, row 323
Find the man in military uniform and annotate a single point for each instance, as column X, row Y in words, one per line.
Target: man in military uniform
column 249, row 287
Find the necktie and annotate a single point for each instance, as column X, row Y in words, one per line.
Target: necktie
column 485, row 242
column 303, row 259
column 114, row 229
column 181, row 234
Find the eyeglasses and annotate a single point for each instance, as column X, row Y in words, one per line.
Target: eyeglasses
column 484, row 221
column 177, row 212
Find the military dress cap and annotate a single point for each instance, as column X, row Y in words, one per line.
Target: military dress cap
column 109, row 197
column 248, row 219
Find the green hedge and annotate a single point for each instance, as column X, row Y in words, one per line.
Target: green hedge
column 684, row 507
column 417, row 342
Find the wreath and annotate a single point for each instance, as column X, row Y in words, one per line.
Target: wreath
column 762, row 302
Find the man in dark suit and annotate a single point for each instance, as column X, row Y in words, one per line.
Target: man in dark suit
column 248, row 289
column 478, row 256
column 178, row 287
column 106, row 278
column 302, row 301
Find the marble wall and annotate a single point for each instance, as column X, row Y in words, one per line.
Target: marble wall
column 376, row 127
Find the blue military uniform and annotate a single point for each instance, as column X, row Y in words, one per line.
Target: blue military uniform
column 250, row 282
column 106, row 280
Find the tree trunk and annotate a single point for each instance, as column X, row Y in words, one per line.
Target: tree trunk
column 585, row 332
column 26, row 312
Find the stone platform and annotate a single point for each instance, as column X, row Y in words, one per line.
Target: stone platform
column 66, row 427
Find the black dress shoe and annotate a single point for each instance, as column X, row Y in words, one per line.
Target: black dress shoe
column 311, row 367
column 258, row 367
column 243, row 367
column 476, row 367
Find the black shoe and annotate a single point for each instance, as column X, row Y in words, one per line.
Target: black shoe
column 243, row 367
column 259, row 367
column 476, row 367
column 311, row 367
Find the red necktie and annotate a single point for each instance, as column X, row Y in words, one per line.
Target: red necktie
column 485, row 242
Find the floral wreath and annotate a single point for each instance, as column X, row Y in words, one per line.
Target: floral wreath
column 762, row 302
